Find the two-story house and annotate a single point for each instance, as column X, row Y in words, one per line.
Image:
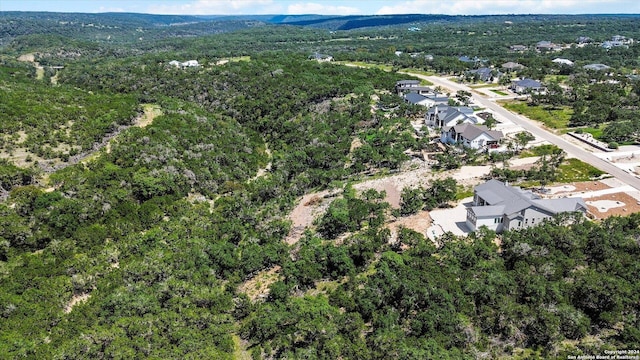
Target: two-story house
column 440, row 116
column 471, row 136
column 501, row 207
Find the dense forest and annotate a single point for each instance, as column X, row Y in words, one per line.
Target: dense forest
column 126, row 238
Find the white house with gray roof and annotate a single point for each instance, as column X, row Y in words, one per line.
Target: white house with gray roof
column 417, row 99
column 596, row 67
column 501, row 207
column 527, row 85
column 441, row 116
column 427, row 98
column 562, row 61
column 471, row 136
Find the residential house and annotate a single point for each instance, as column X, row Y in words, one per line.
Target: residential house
column 427, row 99
column 611, row 44
column 622, row 39
column 518, row 48
column 403, row 86
column 596, row 67
column 547, row 46
column 471, row 136
column 437, row 98
column 440, row 116
column 512, row 66
column 320, row 57
column 408, row 83
column 617, row 41
column 501, row 207
column 526, row 86
column 584, row 40
column 189, row 63
column 423, row 90
column 562, row 61
column 475, row 59
column 416, row 99
column 485, row 74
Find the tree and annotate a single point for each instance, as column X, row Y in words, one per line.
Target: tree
column 463, row 96
column 490, row 121
column 440, row 192
column 411, row 201
column 522, row 139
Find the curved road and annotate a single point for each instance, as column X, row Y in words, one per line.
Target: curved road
column 531, row 127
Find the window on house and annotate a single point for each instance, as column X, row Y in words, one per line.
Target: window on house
column 533, row 220
column 526, row 221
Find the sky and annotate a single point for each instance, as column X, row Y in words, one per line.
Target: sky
column 329, row 7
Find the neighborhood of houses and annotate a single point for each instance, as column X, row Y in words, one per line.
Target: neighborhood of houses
column 496, row 205
column 455, row 121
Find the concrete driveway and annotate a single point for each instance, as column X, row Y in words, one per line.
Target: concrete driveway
column 449, row 220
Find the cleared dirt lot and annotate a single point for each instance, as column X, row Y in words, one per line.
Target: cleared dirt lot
column 616, row 204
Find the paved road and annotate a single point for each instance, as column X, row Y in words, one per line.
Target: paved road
column 531, row 127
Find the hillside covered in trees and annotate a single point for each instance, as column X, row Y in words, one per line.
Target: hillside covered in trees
column 121, row 238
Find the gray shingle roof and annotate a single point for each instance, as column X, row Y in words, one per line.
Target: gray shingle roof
column 528, row 83
column 407, row 82
column 450, row 113
column 514, row 199
column 597, row 67
column 512, row 65
column 471, row 131
column 415, row 88
column 414, row 98
column 563, row 205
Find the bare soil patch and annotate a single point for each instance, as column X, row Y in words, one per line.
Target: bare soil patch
column 418, row 173
column 75, row 300
column 579, row 187
column 258, row 286
column 616, row 204
column 151, row 111
column 419, row 222
column 19, row 157
column 308, row 208
column 27, row 57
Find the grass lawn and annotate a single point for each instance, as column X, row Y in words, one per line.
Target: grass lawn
column 571, row 170
column 596, row 133
column 419, row 72
column 552, row 118
column 463, row 192
column 501, row 93
column 538, row 151
column 558, row 78
column 240, row 58
column 480, row 86
column 575, row 170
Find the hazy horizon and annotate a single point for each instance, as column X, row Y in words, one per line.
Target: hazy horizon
column 328, row 7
